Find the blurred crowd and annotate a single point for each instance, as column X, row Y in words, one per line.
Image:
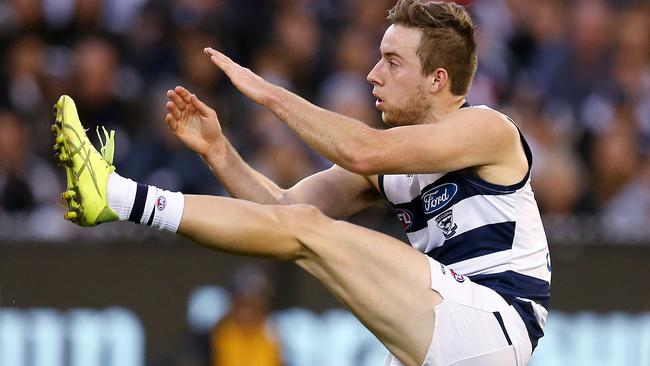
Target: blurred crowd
column 574, row 75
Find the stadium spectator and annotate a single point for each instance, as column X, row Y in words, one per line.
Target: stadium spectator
column 245, row 336
column 28, row 186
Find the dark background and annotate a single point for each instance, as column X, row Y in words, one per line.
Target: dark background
column 574, row 75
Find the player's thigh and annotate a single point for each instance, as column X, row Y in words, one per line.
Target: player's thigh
column 384, row 281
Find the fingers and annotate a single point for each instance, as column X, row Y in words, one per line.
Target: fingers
column 203, row 109
column 171, row 122
column 173, row 110
column 246, row 81
column 176, row 99
column 180, row 98
column 222, row 61
column 184, row 94
column 216, row 54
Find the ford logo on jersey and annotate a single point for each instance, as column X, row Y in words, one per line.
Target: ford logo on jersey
column 438, row 197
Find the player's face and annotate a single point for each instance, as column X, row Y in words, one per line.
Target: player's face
column 399, row 86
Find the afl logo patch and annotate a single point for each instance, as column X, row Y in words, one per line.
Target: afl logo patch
column 161, row 203
column 458, row 277
column 405, row 217
column 438, row 197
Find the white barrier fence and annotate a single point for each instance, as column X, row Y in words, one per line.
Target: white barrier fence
column 78, row 337
column 336, row 338
column 115, row 337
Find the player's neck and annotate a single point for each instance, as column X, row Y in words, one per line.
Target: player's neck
column 443, row 106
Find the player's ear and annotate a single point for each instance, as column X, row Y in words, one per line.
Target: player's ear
column 438, row 80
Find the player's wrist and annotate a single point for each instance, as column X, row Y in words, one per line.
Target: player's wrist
column 273, row 96
column 217, row 152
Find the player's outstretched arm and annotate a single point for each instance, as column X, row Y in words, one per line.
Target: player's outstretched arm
column 472, row 137
column 332, row 135
column 197, row 126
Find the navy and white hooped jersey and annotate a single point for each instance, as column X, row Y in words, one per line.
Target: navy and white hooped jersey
column 490, row 233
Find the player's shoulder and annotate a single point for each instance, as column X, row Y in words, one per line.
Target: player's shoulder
column 484, row 119
column 481, row 114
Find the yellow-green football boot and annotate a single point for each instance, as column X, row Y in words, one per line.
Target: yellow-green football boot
column 87, row 169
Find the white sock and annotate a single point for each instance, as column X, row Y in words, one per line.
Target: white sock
column 121, row 195
column 147, row 205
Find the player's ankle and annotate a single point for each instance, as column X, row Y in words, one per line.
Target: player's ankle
column 146, row 205
column 120, row 194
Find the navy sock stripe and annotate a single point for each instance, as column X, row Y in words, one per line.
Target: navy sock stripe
column 153, row 211
column 138, row 204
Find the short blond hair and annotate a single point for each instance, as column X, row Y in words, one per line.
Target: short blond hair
column 447, row 38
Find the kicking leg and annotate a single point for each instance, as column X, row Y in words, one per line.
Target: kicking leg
column 384, row 282
column 238, row 227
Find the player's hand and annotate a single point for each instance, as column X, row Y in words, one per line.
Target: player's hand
column 193, row 122
column 249, row 83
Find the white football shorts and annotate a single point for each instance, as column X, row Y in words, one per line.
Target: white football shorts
column 474, row 325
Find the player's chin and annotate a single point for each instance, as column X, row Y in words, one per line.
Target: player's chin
column 389, row 119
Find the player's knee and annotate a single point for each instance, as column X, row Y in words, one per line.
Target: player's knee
column 299, row 217
column 303, row 221
column 308, row 212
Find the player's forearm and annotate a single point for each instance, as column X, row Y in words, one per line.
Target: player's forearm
column 240, row 179
column 345, row 141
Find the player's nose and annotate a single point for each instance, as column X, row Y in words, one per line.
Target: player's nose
column 373, row 75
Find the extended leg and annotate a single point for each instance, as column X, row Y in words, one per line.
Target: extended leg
column 384, row 282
